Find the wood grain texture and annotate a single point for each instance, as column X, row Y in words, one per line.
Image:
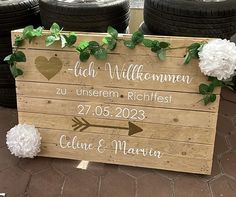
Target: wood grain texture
column 176, row 125
column 152, row 115
column 190, row 165
column 173, row 67
column 152, row 131
column 39, row 43
column 114, row 95
column 181, row 149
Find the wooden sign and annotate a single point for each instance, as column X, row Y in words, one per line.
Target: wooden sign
column 130, row 109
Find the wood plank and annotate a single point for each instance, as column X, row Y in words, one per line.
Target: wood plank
column 180, row 149
column 151, row 63
column 202, row 166
column 39, row 43
column 174, row 132
column 175, row 100
column 63, row 78
column 152, row 115
column 170, row 75
column 151, row 131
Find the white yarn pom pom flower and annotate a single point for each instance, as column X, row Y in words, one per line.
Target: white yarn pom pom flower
column 218, row 59
column 24, row 141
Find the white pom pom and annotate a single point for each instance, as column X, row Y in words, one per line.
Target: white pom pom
column 218, row 59
column 24, row 141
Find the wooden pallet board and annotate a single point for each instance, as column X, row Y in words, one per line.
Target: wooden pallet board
column 129, row 109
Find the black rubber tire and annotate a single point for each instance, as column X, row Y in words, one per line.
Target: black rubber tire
column 191, row 18
column 144, row 29
column 7, row 6
column 6, row 79
column 91, row 15
column 5, row 47
column 8, row 97
column 86, row 27
column 7, row 87
column 86, row 7
column 14, row 14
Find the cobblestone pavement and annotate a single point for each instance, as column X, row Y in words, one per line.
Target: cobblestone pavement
column 46, row 177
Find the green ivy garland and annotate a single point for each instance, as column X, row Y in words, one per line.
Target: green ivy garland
column 100, row 51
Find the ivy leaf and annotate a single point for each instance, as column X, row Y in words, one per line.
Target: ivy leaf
column 19, row 41
column 187, row 58
column 156, row 48
column 18, row 56
column 38, row 32
column 194, row 46
column 156, row 43
column 82, row 46
column 161, row 54
column 203, row 89
column 217, row 83
column 27, row 29
column 148, row 43
column 55, row 29
column 164, row 45
column 207, row 100
column 27, row 32
column 93, row 44
column 8, row 59
column 50, row 40
column 113, row 32
column 193, row 50
column 137, row 37
column 84, row 56
column 211, row 88
column 100, row 53
column 106, row 40
column 194, row 53
column 212, row 98
column 230, row 85
column 211, row 78
column 57, row 37
column 93, row 50
column 111, row 44
column 63, row 41
column 71, row 38
column 129, row 44
column 214, row 83
column 15, row 71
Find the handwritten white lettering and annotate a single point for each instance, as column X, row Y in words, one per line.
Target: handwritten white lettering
column 66, row 142
column 85, row 72
column 123, row 147
column 136, row 73
column 116, row 146
column 132, row 72
column 101, row 146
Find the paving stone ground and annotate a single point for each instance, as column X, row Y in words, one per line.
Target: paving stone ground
column 47, row 177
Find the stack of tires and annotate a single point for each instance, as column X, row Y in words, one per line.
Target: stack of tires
column 200, row 18
column 86, row 15
column 14, row 14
